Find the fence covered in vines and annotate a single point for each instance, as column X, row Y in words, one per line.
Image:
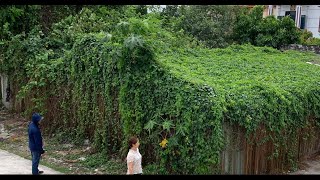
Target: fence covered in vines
column 108, row 80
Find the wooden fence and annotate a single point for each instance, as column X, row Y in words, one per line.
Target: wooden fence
column 258, row 155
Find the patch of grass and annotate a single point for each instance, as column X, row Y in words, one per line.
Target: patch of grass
column 72, row 156
column 315, row 60
column 309, row 56
column 154, row 169
column 113, row 166
column 14, row 148
column 95, row 160
column 104, row 164
column 56, row 167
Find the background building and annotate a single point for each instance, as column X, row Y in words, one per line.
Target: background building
column 305, row 16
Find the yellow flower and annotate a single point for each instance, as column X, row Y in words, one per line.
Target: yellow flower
column 164, row 143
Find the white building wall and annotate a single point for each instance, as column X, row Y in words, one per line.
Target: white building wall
column 312, row 19
column 281, row 9
column 312, row 13
column 275, row 10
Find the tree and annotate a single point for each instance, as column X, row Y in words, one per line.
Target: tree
column 252, row 28
column 212, row 24
column 53, row 14
column 170, row 10
column 287, row 33
column 247, row 25
column 16, row 19
column 142, row 9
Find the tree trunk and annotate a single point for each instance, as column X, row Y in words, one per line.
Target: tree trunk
column 46, row 18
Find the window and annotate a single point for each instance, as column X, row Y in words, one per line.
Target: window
column 319, row 25
column 280, row 17
column 303, row 22
column 292, row 14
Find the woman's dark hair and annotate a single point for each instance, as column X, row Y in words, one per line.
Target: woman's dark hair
column 132, row 141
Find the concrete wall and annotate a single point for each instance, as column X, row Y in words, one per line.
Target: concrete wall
column 4, row 87
column 312, row 13
column 312, row 48
column 274, row 10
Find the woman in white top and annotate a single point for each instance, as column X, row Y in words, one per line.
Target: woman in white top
column 134, row 157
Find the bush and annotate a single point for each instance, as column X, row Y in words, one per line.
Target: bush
column 307, row 39
column 250, row 27
column 212, row 25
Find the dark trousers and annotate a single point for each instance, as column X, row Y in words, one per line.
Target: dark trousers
column 35, row 162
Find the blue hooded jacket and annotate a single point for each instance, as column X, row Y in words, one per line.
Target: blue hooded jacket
column 35, row 137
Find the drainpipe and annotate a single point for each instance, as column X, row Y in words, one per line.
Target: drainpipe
column 298, row 16
column 270, row 10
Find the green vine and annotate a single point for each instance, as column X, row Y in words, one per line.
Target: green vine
column 132, row 77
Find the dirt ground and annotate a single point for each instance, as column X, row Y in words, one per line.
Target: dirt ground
column 66, row 158
column 309, row 166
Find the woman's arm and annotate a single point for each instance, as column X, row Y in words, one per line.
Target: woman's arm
column 130, row 167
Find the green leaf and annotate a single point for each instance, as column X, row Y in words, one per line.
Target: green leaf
column 150, row 125
column 166, row 125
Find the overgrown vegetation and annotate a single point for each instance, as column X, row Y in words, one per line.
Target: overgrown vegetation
column 107, row 73
column 212, row 25
column 61, row 153
column 306, row 38
column 251, row 27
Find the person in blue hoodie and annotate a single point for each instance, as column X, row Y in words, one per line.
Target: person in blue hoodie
column 35, row 142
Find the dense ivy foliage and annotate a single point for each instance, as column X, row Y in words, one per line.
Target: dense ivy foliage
column 105, row 79
column 275, row 88
column 262, row 87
